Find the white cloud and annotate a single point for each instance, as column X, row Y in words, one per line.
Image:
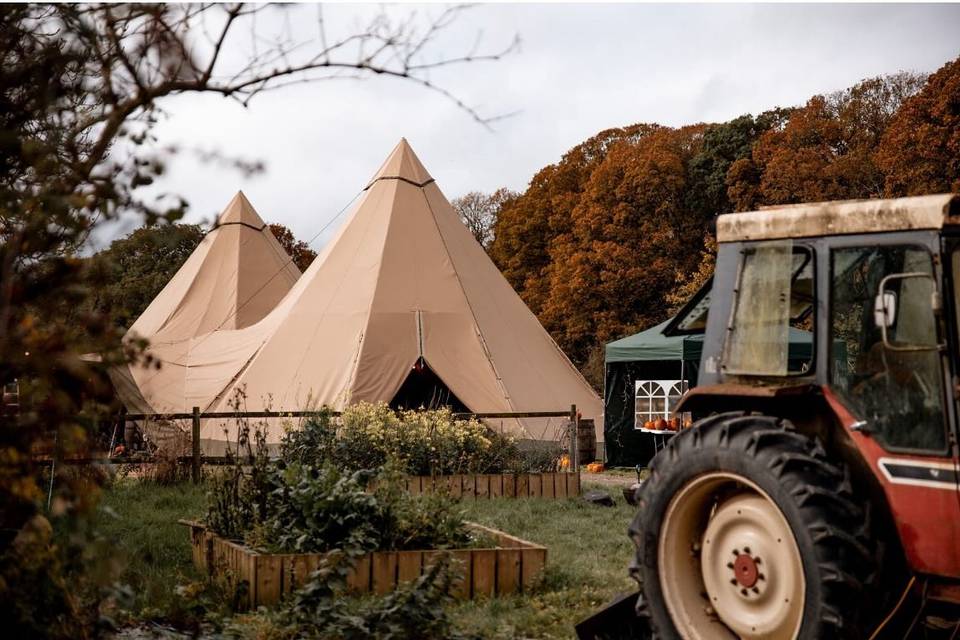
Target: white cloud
column 581, row 69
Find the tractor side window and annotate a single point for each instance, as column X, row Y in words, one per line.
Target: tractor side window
column 770, row 330
column 898, row 392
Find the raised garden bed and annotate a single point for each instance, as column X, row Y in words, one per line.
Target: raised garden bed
column 497, row 485
column 514, row 565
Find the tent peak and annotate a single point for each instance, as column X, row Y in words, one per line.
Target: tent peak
column 240, row 211
column 402, row 164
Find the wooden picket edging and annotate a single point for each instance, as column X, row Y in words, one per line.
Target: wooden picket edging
column 499, row 485
column 514, row 565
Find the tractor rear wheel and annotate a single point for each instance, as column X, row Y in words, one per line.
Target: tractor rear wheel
column 747, row 530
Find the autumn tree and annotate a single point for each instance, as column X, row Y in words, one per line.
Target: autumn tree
column 920, row 150
column 631, row 233
column 480, row 211
column 825, row 149
column 616, row 235
column 298, row 250
column 687, row 284
column 528, row 226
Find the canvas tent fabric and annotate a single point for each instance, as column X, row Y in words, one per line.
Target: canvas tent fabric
column 651, row 355
column 402, row 284
column 237, row 274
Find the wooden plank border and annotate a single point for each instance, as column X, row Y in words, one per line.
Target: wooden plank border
column 551, row 485
column 513, row 565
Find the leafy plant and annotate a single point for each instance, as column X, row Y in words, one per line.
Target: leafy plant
column 369, row 436
column 318, row 509
column 306, row 502
column 239, row 499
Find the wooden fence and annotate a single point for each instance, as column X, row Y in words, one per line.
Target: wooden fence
column 512, row 566
column 196, row 459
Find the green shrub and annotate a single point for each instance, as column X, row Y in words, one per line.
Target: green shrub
column 368, row 436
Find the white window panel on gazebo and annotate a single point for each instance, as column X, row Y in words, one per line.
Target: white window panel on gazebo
column 655, row 399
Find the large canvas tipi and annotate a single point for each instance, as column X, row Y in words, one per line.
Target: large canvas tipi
column 404, row 290
column 237, row 274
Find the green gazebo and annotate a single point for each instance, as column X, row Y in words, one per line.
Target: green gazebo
column 645, row 374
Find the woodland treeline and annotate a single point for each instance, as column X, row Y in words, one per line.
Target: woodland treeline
column 614, row 236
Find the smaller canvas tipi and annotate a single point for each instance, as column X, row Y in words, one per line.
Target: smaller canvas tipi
column 237, row 275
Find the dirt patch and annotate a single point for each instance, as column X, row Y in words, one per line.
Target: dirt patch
column 606, row 479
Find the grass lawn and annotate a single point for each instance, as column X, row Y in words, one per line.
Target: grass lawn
column 140, row 520
column 587, row 558
column 586, row 564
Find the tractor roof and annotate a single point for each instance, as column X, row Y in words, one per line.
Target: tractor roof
column 840, row 218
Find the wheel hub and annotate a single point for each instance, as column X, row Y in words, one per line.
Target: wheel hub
column 745, row 570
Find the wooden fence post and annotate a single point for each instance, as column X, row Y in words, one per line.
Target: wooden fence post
column 196, row 445
column 573, row 457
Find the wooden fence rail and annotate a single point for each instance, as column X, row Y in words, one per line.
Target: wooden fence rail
column 197, row 459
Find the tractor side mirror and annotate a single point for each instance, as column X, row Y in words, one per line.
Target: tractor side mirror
column 907, row 319
column 885, row 309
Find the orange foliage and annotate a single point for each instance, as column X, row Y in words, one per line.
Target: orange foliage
column 526, row 227
column 825, row 149
column 920, row 151
column 629, row 236
column 298, row 250
column 616, row 235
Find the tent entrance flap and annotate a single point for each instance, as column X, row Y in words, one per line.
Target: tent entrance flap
column 424, row 389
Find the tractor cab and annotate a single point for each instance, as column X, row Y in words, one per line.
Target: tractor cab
column 871, row 285
column 811, row 493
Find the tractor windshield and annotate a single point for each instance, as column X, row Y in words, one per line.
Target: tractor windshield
column 770, row 328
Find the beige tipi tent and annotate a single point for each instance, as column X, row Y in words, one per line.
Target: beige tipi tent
column 237, row 274
column 403, row 288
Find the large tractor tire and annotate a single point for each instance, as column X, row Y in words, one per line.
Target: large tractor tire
column 747, row 530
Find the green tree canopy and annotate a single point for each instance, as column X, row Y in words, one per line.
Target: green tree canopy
column 134, row 269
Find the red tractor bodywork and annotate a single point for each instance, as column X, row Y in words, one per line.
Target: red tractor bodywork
column 923, row 499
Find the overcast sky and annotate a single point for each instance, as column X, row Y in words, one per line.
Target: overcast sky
column 579, row 69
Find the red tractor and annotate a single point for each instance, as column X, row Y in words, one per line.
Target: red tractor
column 817, row 496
